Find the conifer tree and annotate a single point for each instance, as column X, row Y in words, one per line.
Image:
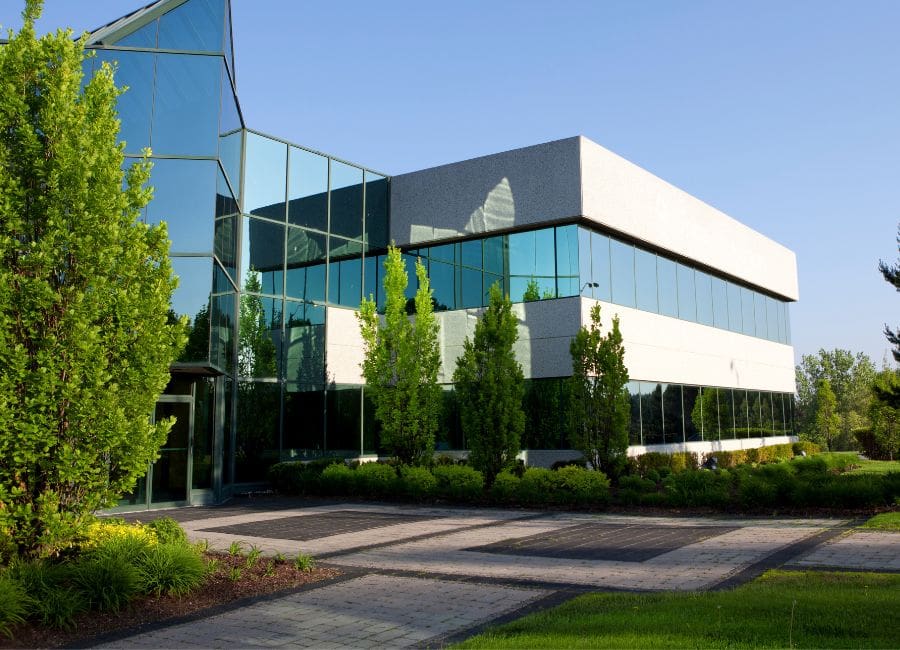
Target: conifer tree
column 599, row 404
column 490, row 386
column 401, row 364
column 85, row 336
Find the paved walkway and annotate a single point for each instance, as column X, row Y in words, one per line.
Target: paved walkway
column 422, row 576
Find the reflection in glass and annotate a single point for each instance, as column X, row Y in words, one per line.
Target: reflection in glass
column 673, row 425
column 634, row 424
column 376, row 210
column 687, row 302
column 704, row 298
column 704, row 414
column 586, row 278
column 443, row 253
column 443, row 288
column 184, row 197
column 308, row 189
column 471, row 253
column 622, row 258
column 343, row 426
column 495, row 255
column 567, row 251
column 204, row 432
column 531, row 254
column 690, row 396
column 735, row 322
column 346, row 200
column 771, row 318
column 668, row 287
column 266, row 167
column 342, row 247
column 720, row 303
column 186, row 108
column 741, row 413
column 262, row 256
column 195, row 25
column 651, row 413
column 759, row 309
column 471, row 294
column 304, row 333
column 645, row 280
column 223, row 330
column 350, row 283
column 191, row 299
column 135, row 70
column 304, row 421
column 747, row 316
column 143, row 37
column 256, row 442
column 259, row 344
column 600, row 267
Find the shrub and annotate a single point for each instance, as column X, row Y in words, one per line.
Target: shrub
column 375, row 479
column 809, row 465
column 417, row 482
column 174, row 569
column 168, row 531
column 890, row 484
column 847, row 491
column 577, row 485
column 840, row 461
column 115, row 533
column 459, row 482
column 633, row 487
column 58, row 606
column 445, row 459
column 656, row 461
column 108, row 581
column 337, row 479
column 14, row 604
column 536, row 485
column 806, row 446
column 730, row 459
column 506, row 487
column 572, row 462
column 304, row 562
column 698, row 488
column 771, row 453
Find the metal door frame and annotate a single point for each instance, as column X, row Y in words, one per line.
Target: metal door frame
column 189, row 482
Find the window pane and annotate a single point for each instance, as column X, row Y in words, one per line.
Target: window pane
column 351, row 282
column 344, row 247
column 266, row 169
column 346, row 200
column 304, row 421
column 489, row 281
column 734, row 308
column 668, row 287
column 705, row 414
column 223, row 332
column 184, row 197
column 259, row 346
column 471, row 294
column 442, row 286
column 747, row 311
column 518, row 286
column 262, row 256
column 135, row 70
column 691, row 400
column 376, row 210
column 257, row 427
column 645, row 280
column 343, row 427
column 651, row 413
column 494, row 254
column 186, row 109
column 741, row 414
column 759, row 308
column 226, row 244
column 567, row 286
column 471, row 253
column 771, row 318
column 143, row 37
column 304, row 246
column 720, row 303
column 726, row 413
column 531, row 254
column 704, row 298
column 308, row 189
column 622, row 257
column 687, row 292
column 567, row 251
column 370, row 275
column 230, row 133
column 584, row 263
column 672, row 414
column 445, row 253
column 191, row 299
column 195, row 25
column 787, row 323
column 634, row 424
column 600, row 267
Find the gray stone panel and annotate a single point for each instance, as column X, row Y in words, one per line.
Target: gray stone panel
column 512, row 189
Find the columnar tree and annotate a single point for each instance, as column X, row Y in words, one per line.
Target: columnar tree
column 827, row 425
column 599, row 407
column 401, row 364
column 85, row 334
column 490, row 386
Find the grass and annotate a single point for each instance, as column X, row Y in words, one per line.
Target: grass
column 781, row 609
column 876, row 467
column 884, row 521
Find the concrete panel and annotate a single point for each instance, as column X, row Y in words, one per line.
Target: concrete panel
column 344, row 347
column 512, row 189
column 622, row 196
column 661, row 348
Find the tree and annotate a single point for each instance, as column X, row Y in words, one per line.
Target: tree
column 600, row 408
column 85, row 337
column 891, row 275
column 532, row 291
column 885, row 417
column 490, row 386
column 826, row 418
column 401, row 364
column 850, row 378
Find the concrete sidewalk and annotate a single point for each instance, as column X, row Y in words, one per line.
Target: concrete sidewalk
column 419, row 576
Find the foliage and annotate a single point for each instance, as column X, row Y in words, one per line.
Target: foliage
column 599, row 407
column 85, row 340
column 532, row 291
column 576, row 485
column 884, row 521
column 780, row 609
column 14, row 604
column 304, row 562
column 675, row 462
column 458, row 482
column 375, row 479
column 417, row 482
column 402, row 359
column 337, row 479
column 490, row 385
column 698, row 488
column 891, row 274
column 174, row 569
column 109, row 581
column 167, row 531
column 506, row 487
column 884, row 414
column 850, row 379
column 826, row 420
column 632, row 488
column 805, row 447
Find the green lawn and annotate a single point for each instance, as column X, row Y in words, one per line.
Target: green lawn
column 781, row 609
column 884, row 521
column 876, row 467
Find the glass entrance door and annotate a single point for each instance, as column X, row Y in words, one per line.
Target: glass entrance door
column 171, row 475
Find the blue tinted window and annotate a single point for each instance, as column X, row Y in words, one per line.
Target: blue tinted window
column 304, row 246
column 376, row 210
column 442, row 286
column 747, row 315
column 584, row 262
column 308, row 189
column 184, row 197
column 531, row 253
column 518, row 285
column 266, row 168
column 226, row 244
column 262, row 256
column 735, row 323
column 471, row 253
column 704, row 298
column 622, row 258
column 779, row 315
column 668, row 287
column 772, row 318
column 494, row 253
column 645, row 280
column 488, row 281
column 230, row 134
column 471, row 292
column 195, row 25
column 787, row 325
column 143, row 37
column 334, row 283
column 687, row 302
column 600, row 267
column 259, row 355
column 567, row 286
column 370, row 275
column 720, row 302
column 304, row 335
column 342, row 247
column 194, row 281
column 186, row 108
column 351, row 282
column 759, row 308
column 222, row 331
column 567, row 251
column 346, row 200
column 445, row 253
column 135, row 70
column 673, row 424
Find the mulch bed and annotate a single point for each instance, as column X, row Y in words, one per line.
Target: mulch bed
column 224, row 586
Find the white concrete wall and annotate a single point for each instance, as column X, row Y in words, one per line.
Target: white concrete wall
column 662, row 348
column 622, row 196
column 344, row 346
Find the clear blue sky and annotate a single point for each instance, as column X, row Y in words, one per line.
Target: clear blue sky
column 785, row 115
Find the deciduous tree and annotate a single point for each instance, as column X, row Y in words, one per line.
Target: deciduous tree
column 85, row 337
column 490, row 386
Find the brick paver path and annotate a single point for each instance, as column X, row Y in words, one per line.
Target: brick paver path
column 419, row 575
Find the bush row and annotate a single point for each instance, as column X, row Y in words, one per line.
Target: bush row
column 666, row 464
column 114, row 563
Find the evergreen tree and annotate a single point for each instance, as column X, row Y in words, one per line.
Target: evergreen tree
column 402, row 360
column 85, row 336
column 600, row 408
column 885, row 392
column 884, row 415
column 490, row 386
